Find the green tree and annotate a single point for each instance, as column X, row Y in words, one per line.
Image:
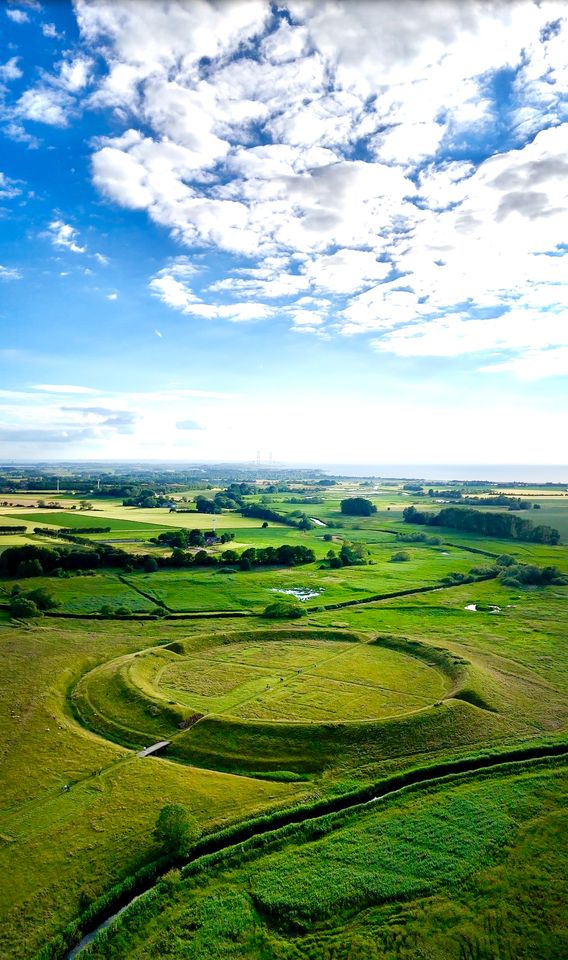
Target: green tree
column 357, row 507
column 23, row 609
column 150, row 565
column 175, row 829
column 30, row 568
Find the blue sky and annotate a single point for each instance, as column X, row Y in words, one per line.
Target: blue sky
column 333, row 232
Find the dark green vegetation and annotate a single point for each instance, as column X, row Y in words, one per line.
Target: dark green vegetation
column 369, row 652
column 502, row 525
column 358, row 507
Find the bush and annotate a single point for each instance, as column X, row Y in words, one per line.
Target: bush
column 42, row 599
column 23, row 609
column 150, row 565
column 400, row 557
column 284, row 610
column 521, row 574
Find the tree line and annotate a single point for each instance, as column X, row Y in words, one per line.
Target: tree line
column 501, row 525
column 35, row 561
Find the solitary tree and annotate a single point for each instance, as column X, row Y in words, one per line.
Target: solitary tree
column 175, row 829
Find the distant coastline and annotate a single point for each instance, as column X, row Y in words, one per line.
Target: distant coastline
column 497, row 473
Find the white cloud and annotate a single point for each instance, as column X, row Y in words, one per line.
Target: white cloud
column 17, row 16
column 112, row 296
column 62, row 388
column 455, row 334
column 533, row 364
column 8, row 187
column 398, row 84
column 286, row 43
column 75, row 74
column 44, row 105
column 49, row 30
column 10, row 70
column 65, row 236
column 171, row 286
column 15, row 131
column 344, row 271
column 9, row 273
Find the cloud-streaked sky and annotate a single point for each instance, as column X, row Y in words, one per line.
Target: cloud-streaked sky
column 333, row 231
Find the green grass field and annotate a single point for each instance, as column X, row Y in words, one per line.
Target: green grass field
column 444, row 873
column 264, row 714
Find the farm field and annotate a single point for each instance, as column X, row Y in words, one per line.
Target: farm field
column 213, row 590
column 263, row 716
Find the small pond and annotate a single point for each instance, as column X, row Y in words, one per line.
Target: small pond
column 300, row 593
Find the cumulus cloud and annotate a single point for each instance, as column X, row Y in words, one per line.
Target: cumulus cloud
column 49, row 30
column 44, row 105
column 65, row 236
column 172, row 287
column 10, row 70
column 337, row 150
column 17, row 16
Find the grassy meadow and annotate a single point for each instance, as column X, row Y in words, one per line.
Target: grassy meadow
column 448, row 872
column 262, row 715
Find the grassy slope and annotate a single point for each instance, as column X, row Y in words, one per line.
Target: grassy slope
column 57, row 847
column 447, row 873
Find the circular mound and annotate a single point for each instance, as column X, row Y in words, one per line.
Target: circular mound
column 306, row 680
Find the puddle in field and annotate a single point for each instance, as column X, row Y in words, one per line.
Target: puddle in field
column 493, row 608
column 300, row 593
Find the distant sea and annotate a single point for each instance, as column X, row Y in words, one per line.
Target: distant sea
column 495, row 473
